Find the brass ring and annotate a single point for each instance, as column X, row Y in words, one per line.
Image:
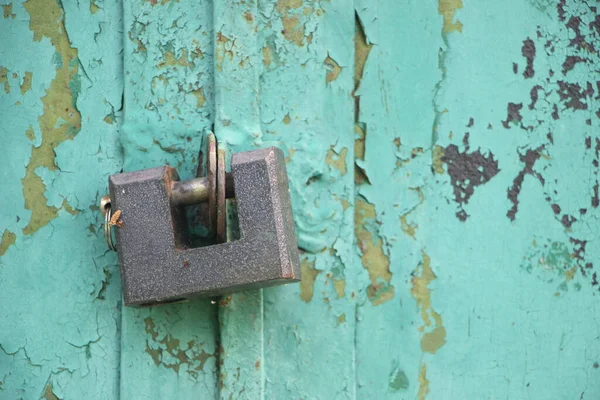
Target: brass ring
column 221, row 204
column 212, row 184
column 108, row 236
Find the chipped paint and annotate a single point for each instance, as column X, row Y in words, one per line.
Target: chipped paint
column 337, row 160
column 522, row 84
column 447, row 9
column 434, row 332
column 168, row 351
column 8, row 239
column 26, row 85
column 94, row 8
column 7, row 10
column 333, row 69
column 340, row 287
column 398, row 380
column 423, row 382
column 170, row 60
column 407, row 227
column 61, row 119
column 468, row 170
column 49, row 392
column 552, row 263
column 373, row 258
column 293, row 30
column 266, row 52
column 224, row 47
column 60, row 154
column 361, row 52
column 200, row 99
column 309, row 275
column 4, row 79
column 438, row 159
column 528, row 159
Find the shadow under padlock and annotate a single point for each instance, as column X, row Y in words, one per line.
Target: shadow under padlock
column 158, row 264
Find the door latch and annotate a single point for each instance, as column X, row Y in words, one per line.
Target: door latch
column 146, row 211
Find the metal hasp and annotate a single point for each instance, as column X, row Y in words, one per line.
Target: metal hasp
column 157, row 265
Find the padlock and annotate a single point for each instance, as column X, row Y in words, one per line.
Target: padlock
column 146, row 211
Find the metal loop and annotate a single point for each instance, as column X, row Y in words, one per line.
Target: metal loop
column 108, row 235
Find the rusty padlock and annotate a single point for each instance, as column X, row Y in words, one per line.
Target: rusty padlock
column 157, row 264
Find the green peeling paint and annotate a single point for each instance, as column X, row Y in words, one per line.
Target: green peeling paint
column 64, row 335
column 443, row 159
column 61, row 118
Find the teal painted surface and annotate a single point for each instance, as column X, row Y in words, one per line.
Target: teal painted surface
column 59, row 286
column 498, row 272
column 443, row 162
column 171, row 351
column 237, row 121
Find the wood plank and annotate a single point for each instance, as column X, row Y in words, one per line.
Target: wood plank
column 60, row 96
column 237, row 121
column 479, row 153
column 168, row 351
column 397, row 80
column 307, row 106
column 298, row 68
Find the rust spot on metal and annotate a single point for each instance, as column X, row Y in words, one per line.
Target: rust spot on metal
column 224, row 302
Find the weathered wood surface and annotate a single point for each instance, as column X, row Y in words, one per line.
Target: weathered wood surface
column 443, row 161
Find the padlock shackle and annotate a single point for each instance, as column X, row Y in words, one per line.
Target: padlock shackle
column 196, row 190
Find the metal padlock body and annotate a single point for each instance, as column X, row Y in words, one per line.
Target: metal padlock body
column 156, row 266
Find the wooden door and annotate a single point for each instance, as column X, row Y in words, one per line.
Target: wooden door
column 443, row 161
